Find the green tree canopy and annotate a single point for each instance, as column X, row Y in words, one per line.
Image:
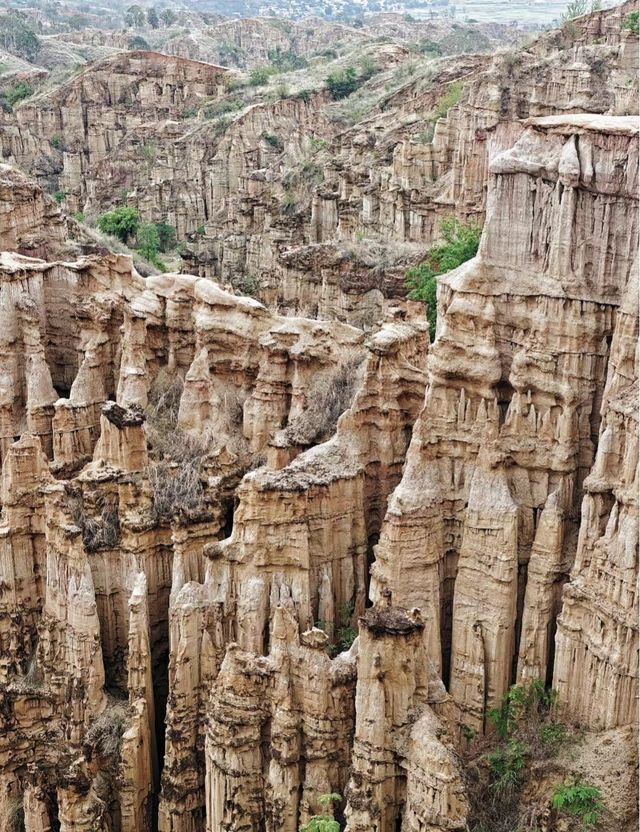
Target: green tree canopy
column 461, row 242
column 148, row 241
column 122, row 222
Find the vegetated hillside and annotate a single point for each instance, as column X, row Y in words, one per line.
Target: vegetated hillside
column 279, row 550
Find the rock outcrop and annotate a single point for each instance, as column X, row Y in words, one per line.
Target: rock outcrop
column 251, row 562
column 481, row 533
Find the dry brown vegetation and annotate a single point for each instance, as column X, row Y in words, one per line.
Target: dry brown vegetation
column 103, row 531
column 330, row 394
column 175, row 473
column 104, row 735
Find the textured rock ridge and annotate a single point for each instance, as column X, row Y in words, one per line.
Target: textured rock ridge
column 482, row 531
column 250, row 559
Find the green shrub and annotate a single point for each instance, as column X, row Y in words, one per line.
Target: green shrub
column 461, row 242
column 78, row 216
column 122, row 222
column 346, row 633
column 221, row 124
column 289, row 203
column 220, row 108
column 579, row 800
column 148, row 241
column 232, row 83
column 168, row 17
column 57, row 142
column 166, row 236
column 632, row 23
column 342, row 83
column 280, row 92
column 425, row 136
column 506, row 764
column 284, row 60
column 304, row 95
column 554, row 735
column 200, row 230
column 328, row 54
column 137, row 42
column 368, row 68
column 230, row 54
column 428, row 47
column 468, row 733
column 520, row 701
column 17, row 37
column 59, row 196
column 449, row 99
column 324, row 822
column 246, row 284
column 149, row 152
column 318, row 143
column 18, row 93
column 274, row 140
column 259, row 76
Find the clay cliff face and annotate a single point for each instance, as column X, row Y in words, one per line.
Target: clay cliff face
column 250, row 559
column 269, row 191
column 514, row 413
column 63, row 135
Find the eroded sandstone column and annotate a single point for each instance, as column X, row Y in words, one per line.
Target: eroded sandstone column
column 404, row 772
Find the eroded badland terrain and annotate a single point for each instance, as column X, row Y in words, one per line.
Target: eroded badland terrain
column 276, row 552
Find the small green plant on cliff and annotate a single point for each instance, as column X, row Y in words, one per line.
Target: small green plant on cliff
column 518, row 701
column 122, row 222
column 526, row 732
column 148, row 241
column 259, row 75
column 580, row 800
column 342, row 83
column 273, row 140
column 17, row 93
column 506, row 764
column 461, row 241
column 246, row 284
column 149, row 152
column 324, row 822
column 346, row 633
column 166, row 236
column 450, row 98
column 59, row 196
column 632, row 22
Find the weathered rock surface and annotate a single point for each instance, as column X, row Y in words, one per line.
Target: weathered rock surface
column 248, row 560
column 482, row 530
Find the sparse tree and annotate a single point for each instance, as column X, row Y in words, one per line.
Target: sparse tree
column 168, row 17
column 152, row 17
column 134, row 16
column 148, row 241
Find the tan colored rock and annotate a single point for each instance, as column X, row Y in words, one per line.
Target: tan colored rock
column 307, row 700
column 396, row 733
column 499, row 453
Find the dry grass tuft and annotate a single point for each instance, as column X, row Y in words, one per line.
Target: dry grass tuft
column 15, row 815
column 330, row 394
column 102, row 532
column 175, row 476
column 104, row 735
